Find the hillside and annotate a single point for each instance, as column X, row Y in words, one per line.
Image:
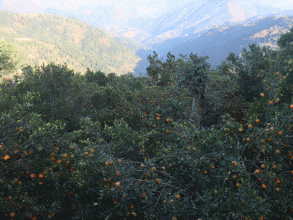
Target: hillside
column 218, row 42
column 45, row 37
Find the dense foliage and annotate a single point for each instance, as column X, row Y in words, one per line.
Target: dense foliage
column 100, row 146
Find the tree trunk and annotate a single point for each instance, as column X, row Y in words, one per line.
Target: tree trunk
column 196, row 117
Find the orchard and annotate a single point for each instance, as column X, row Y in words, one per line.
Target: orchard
column 186, row 142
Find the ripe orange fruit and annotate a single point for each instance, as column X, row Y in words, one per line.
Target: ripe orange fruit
column 262, row 95
column 240, row 129
column 7, row 157
column 263, row 186
column 256, row 171
column 41, row 176
column 271, row 102
column 234, row 163
column 177, row 196
column 284, row 77
column 12, row 214
column 291, row 106
column 277, row 151
column 280, row 133
column 58, row 161
column 277, row 73
column 21, row 129
column 32, row 175
column 257, row 120
column 238, row 185
column 276, row 101
column 250, row 126
column 117, row 173
column 86, row 153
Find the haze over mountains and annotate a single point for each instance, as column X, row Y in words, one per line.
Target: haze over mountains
column 211, row 28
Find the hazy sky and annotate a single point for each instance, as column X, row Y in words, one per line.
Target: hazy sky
column 282, row 4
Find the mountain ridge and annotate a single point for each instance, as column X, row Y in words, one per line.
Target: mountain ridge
column 55, row 38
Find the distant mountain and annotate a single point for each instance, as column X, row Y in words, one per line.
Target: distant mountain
column 195, row 17
column 166, row 25
column 45, row 38
column 218, row 42
column 22, row 6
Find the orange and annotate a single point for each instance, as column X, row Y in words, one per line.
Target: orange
column 7, row 157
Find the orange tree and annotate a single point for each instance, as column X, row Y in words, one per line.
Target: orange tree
column 240, row 129
column 30, row 110
column 213, row 162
